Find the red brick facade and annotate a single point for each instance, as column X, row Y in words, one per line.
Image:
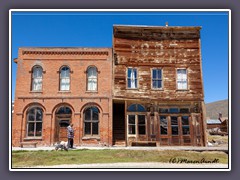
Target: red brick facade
column 50, row 98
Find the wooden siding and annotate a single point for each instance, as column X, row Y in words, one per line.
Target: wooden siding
column 146, row 48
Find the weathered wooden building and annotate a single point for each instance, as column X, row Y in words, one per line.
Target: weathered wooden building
column 158, row 96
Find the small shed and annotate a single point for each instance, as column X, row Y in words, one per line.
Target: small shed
column 213, row 123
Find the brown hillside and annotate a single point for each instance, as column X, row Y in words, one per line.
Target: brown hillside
column 214, row 108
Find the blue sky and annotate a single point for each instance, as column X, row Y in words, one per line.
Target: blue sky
column 94, row 29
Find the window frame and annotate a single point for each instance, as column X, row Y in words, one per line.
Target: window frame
column 185, row 126
column 187, row 79
column 91, row 121
column 137, row 78
column 136, row 115
column 157, row 79
column 166, row 118
column 34, row 122
column 32, row 78
column 87, row 78
column 60, row 70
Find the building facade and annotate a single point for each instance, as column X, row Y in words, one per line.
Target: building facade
column 158, row 86
column 146, row 90
column 59, row 86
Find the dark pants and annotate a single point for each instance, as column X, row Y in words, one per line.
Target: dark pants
column 70, row 143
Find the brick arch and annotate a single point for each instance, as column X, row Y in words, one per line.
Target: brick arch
column 91, row 104
column 65, row 65
column 33, row 104
column 62, row 104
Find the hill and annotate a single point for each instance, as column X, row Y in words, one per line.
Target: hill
column 214, row 108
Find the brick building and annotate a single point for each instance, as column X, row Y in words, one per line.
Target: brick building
column 58, row 86
column 147, row 89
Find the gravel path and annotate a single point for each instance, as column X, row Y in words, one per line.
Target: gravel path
column 135, row 165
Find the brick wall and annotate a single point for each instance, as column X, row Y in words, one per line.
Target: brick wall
column 50, row 98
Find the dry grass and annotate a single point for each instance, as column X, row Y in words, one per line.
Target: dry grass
column 40, row 158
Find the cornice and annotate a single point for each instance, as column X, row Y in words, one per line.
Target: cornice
column 59, row 52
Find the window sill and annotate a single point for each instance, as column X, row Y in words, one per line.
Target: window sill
column 182, row 89
column 64, row 91
column 32, row 138
column 36, row 92
column 132, row 88
column 91, row 137
column 155, row 89
column 91, row 91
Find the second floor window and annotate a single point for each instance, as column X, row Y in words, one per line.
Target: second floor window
column 156, row 78
column 182, row 79
column 92, row 79
column 37, row 78
column 65, row 79
column 132, row 78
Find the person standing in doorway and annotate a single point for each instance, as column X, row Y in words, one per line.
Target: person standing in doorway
column 70, row 134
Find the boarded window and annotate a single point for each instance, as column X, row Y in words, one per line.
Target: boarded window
column 181, row 79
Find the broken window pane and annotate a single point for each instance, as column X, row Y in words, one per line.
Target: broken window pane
column 163, row 125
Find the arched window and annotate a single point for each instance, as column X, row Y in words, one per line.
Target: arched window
column 37, row 78
column 92, row 79
column 136, row 108
column 64, row 110
column 34, row 122
column 65, row 79
column 91, row 121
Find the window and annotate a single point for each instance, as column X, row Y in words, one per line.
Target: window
column 156, row 78
column 37, row 78
column 92, row 79
column 184, row 110
column 174, row 125
column 163, row 110
column 136, row 120
column 131, row 124
column 173, row 110
column 181, row 79
column 185, row 125
column 136, row 108
column 141, row 124
column 91, row 121
column 132, row 78
column 163, row 125
column 34, row 122
column 65, row 79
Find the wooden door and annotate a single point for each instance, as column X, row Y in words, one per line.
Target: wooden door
column 61, row 129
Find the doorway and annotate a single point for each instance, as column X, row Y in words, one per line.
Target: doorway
column 63, row 117
column 119, row 123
